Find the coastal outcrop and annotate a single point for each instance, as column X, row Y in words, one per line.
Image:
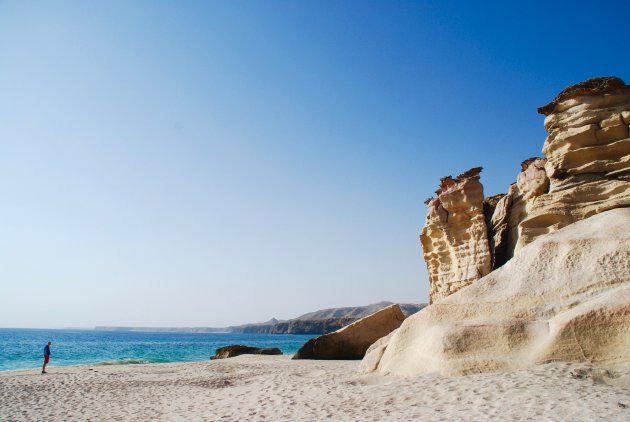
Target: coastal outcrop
column 237, row 350
column 558, row 247
column 352, row 341
column 455, row 235
column 565, row 296
column 588, row 156
column 318, row 322
column 585, row 171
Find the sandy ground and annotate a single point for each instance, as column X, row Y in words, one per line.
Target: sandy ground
column 274, row 388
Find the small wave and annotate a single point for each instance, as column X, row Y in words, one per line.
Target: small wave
column 131, row 361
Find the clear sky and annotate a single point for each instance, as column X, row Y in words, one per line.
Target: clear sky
column 180, row 163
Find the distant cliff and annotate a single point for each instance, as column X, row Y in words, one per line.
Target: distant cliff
column 323, row 321
column 318, row 322
column 296, row 326
column 359, row 311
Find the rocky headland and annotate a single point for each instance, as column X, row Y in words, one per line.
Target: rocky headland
column 541, row 273
column 585, row 171
column 322, row 321
column 318, row 322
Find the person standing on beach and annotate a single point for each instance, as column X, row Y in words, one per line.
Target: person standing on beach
column 46, row 357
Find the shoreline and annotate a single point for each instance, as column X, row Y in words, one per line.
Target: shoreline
column 23, row 349
column 52, row 365
column 274, row 388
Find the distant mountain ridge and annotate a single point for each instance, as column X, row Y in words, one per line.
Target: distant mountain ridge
column 322, row 321
column 318, row 322
column 358, row 311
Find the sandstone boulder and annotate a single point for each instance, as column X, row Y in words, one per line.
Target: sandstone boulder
column 352, row 341
column 565, row 296
column 237, row 350
column 374, row 354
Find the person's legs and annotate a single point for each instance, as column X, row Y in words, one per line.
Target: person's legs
column 44, row 366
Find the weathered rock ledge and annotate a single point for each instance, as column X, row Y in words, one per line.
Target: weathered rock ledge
column 585, row 171
column 540, row 273
column 565, row 296
column 455, row 236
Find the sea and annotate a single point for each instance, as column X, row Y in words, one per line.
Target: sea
column 24, row 348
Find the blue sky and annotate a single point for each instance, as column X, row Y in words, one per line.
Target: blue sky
column 209, row 163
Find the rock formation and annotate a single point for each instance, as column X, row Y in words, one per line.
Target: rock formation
column 352, row 341
column 514, row 207
column 237, row 350
column 455, row 235
column 564, row 296
column 588, row 156
column 558, row 245
column 586, row 171
column 374, row 353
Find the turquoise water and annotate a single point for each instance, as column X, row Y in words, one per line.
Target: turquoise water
column 23, row 348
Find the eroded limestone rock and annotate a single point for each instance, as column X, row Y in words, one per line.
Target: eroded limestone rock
column 513, row 208
column 565, row 296
column 455, row 236
column 588, row 156
column 586, row 170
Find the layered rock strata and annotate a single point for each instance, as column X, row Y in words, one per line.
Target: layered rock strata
column 586, row 170
column 514, row 207
column 588, row 156
column 455, row 235
column 565, row 296
column 352, row 341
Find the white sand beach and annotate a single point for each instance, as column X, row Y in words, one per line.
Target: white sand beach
column 275, row 388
